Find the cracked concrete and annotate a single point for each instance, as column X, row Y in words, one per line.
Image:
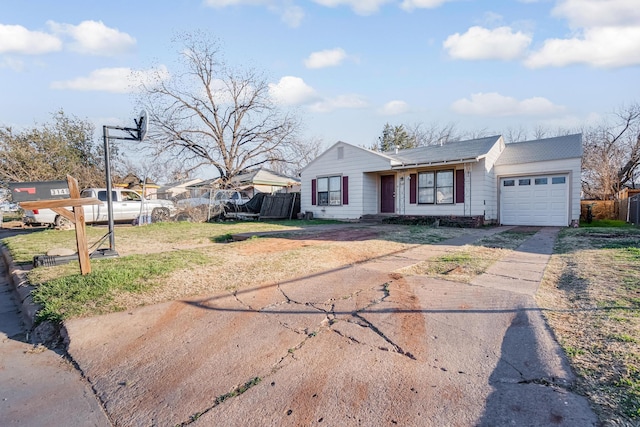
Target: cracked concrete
column 358, row 345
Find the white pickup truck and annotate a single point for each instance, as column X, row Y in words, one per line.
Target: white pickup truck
column 128, row 205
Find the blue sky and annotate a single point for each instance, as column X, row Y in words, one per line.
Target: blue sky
column 347, row 66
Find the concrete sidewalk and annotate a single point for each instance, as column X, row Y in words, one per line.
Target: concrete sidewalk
column 38, row 387
column 359, row 345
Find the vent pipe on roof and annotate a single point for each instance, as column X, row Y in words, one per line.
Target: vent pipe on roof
column 397, row 148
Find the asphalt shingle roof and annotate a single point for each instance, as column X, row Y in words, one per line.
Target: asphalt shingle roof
column 450, row 152
column 561, row 147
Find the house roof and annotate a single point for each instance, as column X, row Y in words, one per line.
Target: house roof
column 265, row 177
column 451, row 152
column 178, row 184
column 561, row 147
column 255, row 177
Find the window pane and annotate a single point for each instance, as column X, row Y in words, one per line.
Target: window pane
column 558, row 180
column 508, row 183
column 425, row 179
column 334, row 198
column 541, row 181
column 445, row 178
column 524, row 182
column 323, row 199
column 445, row 195
column 334, row 183
column 323, row 184
column 425, row 195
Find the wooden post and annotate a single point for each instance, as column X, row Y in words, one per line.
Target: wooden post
column 60, row 206
column 81, row 230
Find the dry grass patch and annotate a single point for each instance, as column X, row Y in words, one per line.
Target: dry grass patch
column 255, row 262
column 470, row 260
column 591, row 297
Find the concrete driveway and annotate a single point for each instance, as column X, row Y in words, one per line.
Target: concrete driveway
column 358, row 346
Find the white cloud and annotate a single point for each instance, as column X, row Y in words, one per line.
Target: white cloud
column 18, row 39
column 482, row 43
column 292, row 16
column 115, row 80
column 292, row 91
column 496, row 105
column 599, row 13
column 606, row 34
column 350, row 101
column 326, row 58
column 361, row 7
column 410, row 5
column 393, row 108
column 606, row 47
column 289, row 13
column 95, row 38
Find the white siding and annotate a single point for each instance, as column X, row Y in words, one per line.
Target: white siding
column 353, row 163
column 571, row 167
column 489, row 194
column 369, row 195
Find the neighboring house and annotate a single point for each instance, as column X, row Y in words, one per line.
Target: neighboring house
column 267, row 181
column 178, row 189
column 525, row 183
column 133, row 182
column 254, row 182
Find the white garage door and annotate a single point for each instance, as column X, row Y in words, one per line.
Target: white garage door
column 534, row 200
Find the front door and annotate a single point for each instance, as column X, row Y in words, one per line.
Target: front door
column 387, row 194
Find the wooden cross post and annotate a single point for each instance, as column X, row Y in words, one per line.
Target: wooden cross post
column 76, row 216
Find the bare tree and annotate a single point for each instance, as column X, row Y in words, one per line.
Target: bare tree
column 210, row 114
column 300, row 154
column 515, row 134
column 432, row 134
column 611, row 154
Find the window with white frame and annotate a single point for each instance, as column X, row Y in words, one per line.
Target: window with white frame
column 435, row 187
column 329, row 191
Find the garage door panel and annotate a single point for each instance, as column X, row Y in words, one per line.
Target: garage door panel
column 540, row 203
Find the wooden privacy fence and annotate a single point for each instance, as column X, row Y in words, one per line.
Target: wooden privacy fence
column 601, row 209
column 280, row 206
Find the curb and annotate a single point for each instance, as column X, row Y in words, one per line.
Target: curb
column 22, row 289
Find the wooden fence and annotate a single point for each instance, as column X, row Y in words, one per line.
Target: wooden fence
column 280, row 206
column 601, row 209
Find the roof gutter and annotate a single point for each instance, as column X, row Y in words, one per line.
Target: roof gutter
column 403, row 165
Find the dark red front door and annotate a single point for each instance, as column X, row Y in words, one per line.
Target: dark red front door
column 387, row 194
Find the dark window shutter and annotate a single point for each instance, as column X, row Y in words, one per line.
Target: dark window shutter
column 460, row 186
column 345, row 190
column 413, row 188
column 313, row 192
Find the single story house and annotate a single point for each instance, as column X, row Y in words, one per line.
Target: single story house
column 178, row 189
column 524, row 183
column 253, row 182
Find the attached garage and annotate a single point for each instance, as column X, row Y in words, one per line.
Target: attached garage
column 535, row 200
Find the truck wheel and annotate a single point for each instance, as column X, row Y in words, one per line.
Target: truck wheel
column 62, row 223
column 160, row 214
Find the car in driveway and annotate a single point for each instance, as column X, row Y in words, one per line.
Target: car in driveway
column 9, row 207
column 128, row 205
